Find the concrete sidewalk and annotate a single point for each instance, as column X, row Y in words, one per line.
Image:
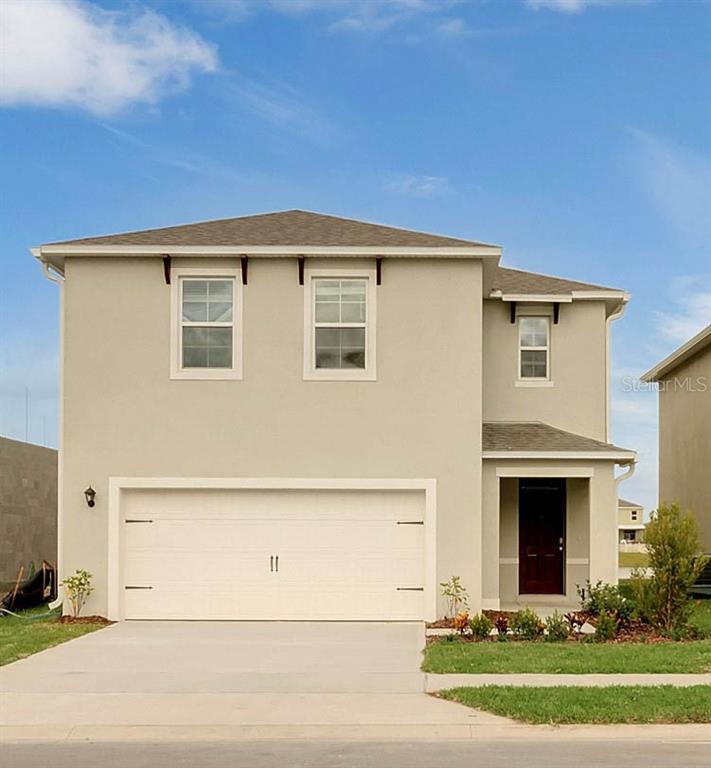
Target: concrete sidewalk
column 435, row 683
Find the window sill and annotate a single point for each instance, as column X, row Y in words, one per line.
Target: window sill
column 339, row 375
column 534, row 383
column 214, row 374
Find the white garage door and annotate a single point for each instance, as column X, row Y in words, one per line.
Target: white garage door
column 272, row 554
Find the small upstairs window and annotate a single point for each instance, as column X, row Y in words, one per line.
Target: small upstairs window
column 534, row 348
column 634, row 515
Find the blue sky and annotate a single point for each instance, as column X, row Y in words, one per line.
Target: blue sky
column 575, row 134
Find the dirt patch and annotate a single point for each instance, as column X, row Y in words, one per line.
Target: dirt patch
column 84, row 620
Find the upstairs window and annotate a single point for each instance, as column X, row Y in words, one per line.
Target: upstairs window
column 340, row 315
column 633, row 515
column 207, row 323
column 207, row 334
column 534, row 348
column 340, row 326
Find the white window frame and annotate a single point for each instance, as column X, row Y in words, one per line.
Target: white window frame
column 311, row 373
column 177, row 275
column 533, row 380
column 634, row 515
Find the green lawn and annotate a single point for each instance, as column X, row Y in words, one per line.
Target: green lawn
column 633, row 560
column 701, row 617
column 570, row 658
column 20, row 637
column 615, row 704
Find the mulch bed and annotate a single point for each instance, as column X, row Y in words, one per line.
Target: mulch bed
column 633, row 631
column 84, row 620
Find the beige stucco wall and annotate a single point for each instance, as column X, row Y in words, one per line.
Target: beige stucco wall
column 28, row 507
column 124, row 416
column 577, row 401
column 685, row 439
column 591, row 538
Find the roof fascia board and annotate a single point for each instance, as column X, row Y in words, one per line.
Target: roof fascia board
column 683, row 353
column 621, row 296
column 624, row 456
column 272, row 250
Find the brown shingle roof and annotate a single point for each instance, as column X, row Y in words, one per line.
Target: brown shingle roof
column 517, row 436
column 517, row 281
column 625, row 503
column 282, row 228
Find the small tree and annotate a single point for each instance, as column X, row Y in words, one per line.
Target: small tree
column 78, row 589
column 456, row 594
column 675, row 560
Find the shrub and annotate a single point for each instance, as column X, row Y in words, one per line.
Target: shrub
column 599, row 598
column 480, row 626
column 78, row 589
column 456, row 594
column 557, row 628
column 502, row 628
column 676, row 561
column 606, row 627
column 526, row 624
column 461, row 622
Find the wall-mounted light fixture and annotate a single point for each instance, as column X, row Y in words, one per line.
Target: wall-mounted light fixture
column 90, row 494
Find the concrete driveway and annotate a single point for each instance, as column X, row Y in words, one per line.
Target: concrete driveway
column 170, row 680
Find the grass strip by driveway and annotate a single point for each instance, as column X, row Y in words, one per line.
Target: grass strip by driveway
column 21, row 637
column 567, row 658
column 616, row 704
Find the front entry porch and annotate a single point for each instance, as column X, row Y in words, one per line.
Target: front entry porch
column 546, row 530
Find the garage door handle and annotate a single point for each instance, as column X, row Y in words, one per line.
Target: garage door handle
column 277, row 563
column 271, row 564
column 410, row 589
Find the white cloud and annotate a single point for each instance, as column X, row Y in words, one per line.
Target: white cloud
column 677, row 182
column 281, row 105
column 453, row 28
column 564, row 6
column 358, row 16
column 60, row 53
column 691, row 297
column 417, row 185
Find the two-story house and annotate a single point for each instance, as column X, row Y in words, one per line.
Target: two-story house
column 299, row 416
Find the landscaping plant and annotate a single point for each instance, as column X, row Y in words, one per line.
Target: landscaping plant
column 78, row 589
column 606, row 627
column 557, row 628
column 461, row 622
column 480, row 626
column 599, row 598
column 676, row 561
column 456, row 594
column 526, row 625
column 502, row 628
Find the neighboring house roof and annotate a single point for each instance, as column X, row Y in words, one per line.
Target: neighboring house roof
column 628, row 504
column 282, row 228
column 516, row 281
column 531, row 437
column 683, row 353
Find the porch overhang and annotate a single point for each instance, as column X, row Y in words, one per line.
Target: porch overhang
column 535, row 440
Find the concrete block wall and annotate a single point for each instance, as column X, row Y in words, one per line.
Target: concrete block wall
column 28, row 507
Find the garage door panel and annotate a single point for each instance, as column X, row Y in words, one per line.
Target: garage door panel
column 208, row 554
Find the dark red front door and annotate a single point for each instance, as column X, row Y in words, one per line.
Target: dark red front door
column 541, row 536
